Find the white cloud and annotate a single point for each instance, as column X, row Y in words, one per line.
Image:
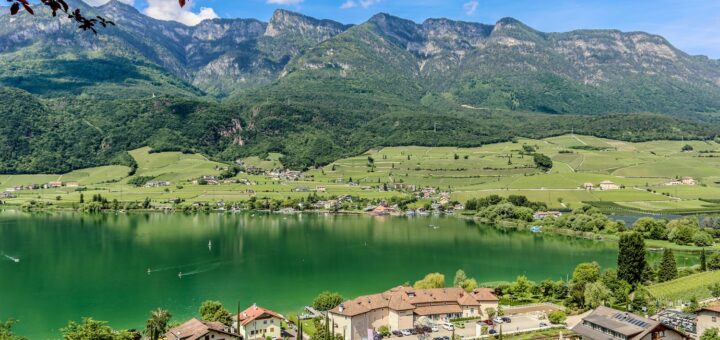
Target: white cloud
column 348, row 4
column 360, row 3
column 284, row 2
column 102, row 2
column 169, row 10
column 470, row 7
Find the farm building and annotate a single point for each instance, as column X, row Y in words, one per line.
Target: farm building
column 609, row 185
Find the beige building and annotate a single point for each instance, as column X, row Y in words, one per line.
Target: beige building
column 196, row 329
column 608, row 185
column 708, row 317
column 400, row 307
column 259, row 323
column 606, row 324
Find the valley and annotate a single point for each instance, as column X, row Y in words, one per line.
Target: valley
column 648, row 176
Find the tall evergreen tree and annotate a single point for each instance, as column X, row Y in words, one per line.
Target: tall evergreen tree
column 703, row 260
column 668, row 266
column 631, row 258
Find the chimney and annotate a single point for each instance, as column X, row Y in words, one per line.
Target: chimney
column 255, row 306
column 341, row 308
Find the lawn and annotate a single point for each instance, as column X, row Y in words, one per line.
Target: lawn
column 684, row 288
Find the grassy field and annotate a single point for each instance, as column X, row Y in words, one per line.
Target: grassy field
column 684, row 288
column 502, row 169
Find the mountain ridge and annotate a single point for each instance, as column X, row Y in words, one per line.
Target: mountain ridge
column 317, row 90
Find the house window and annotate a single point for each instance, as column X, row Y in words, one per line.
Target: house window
column 714, row 319
column 272, row 329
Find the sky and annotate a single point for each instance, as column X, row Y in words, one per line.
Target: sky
column 691, row 25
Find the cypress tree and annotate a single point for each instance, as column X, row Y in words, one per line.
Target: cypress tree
column 703, row 261
column 631, row 258
column 668, row 267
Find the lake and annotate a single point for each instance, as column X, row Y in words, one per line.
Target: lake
column 74, row 265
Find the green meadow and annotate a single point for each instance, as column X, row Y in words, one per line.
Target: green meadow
column 502, row 169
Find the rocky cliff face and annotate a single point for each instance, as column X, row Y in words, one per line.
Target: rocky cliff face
column 499, row 64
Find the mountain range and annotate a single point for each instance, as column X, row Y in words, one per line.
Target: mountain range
column 316, row 90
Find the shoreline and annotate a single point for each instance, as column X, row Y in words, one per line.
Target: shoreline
column 651, row 245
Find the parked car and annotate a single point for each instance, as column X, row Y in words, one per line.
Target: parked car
column 414, row 331
column 506, row 319
column 448, row 326
column 435, row 328
column 377, row 336
column 397, row 333
column 492, row 331
column 438, row 338
column 426, row 329
column 498, row 320
column 446, row 338
column 406, row 332
column 488, row 322
column 543, row 324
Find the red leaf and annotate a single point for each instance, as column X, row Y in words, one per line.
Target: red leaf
column 182, row 3
column 27, row 8
column 14, row 8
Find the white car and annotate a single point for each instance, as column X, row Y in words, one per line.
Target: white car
column 435, row 328
column 448, row 326
column 498, row 320
column 406, row 332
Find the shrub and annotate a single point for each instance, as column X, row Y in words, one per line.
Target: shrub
column 557, row 317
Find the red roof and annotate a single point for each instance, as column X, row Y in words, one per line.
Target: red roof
column 254, row 312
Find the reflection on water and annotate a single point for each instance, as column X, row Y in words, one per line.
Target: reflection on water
column 118, row 267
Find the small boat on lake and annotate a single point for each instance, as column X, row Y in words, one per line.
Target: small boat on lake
column 536, row 229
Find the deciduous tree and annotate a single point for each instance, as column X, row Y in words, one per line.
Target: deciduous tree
column 215, row 311
column 432, row 280
column 327, row 300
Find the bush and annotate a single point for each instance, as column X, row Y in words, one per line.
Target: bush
column 557, row 317
column 702, row 239
column 384, row 331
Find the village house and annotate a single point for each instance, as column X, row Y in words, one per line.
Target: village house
column 427, row 192
column 301, row 189
column 688, row 181
column 54, row 184
column 607, row 323
column 400, row 307
column 156, row 184
column 208, row 179
column 542, row 214
column 673, row 182
column 258, row 323
column 72, row 184
column 588, row 186
column 320, row 188
column 404, row 187
column 253, row 170
column 609, row 185
column 196, row 329
column 384, row 210
column 708, row 317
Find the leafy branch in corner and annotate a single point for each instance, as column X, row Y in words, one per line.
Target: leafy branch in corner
column 56, row 6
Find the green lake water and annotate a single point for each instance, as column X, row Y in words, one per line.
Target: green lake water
column 74, row 265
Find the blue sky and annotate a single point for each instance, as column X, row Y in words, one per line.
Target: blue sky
column 691, row 25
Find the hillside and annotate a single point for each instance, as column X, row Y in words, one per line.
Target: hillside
column 318, row 90
column 643, row 170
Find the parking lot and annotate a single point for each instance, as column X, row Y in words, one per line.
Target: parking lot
column 518, row 323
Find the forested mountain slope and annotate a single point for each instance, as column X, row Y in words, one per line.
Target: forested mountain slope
column 316, row 90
